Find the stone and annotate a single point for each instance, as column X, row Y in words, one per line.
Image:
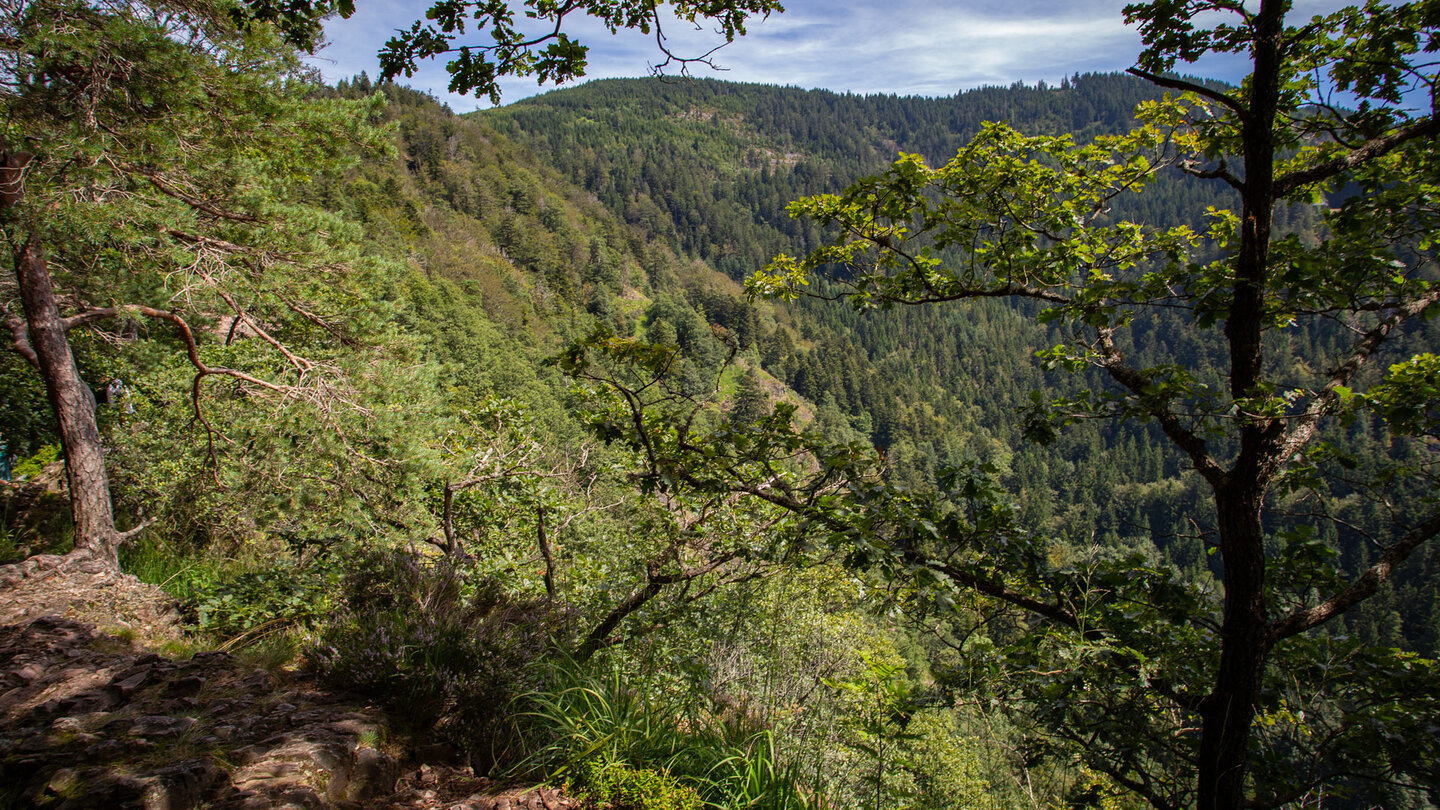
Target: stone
column 67, row 724
column 375, row 774
column 186, row 686
column 63, row 781
column 182, row 786
column 162, row 726
column 88, row 722
column 130, row 684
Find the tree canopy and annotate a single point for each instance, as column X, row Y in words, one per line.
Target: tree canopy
column 155, row 157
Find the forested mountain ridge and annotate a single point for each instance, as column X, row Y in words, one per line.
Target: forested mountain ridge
column 698, row 161
column 709, row 168
column 474, row 418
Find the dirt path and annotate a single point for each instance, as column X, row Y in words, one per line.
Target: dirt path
column 90, row 719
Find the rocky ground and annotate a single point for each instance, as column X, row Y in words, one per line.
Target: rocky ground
column 90, row 718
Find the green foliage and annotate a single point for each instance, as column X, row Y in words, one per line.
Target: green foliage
column 879, row 725
column 1033, row 219
column 181, row 573
column 445, row 650
column 601, row 728
column 432, row 284
column 516, row 52
column 172, row 156
column 263, row 600
column 945, row 764
column 1407, row 397
column 928, row 387
column 588, row 713
column 616, row 786
column 239, row 602
column 32, row 465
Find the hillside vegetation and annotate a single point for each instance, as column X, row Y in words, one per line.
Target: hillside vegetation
column 514, row 423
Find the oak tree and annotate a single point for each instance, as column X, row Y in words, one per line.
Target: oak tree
column 1240, row 700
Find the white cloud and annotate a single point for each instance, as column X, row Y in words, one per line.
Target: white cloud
column 915, row 47
column 919, row 47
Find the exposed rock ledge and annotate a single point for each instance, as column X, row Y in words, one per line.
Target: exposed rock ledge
column 91, row 720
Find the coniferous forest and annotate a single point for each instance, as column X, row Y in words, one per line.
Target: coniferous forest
column 685, row 443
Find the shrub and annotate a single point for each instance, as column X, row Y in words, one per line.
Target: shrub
column 448, row 653
column 249, row 603
column 619, row 787
column 239, row 601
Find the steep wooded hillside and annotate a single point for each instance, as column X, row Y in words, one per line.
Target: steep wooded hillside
column 447, row 521
column 708, row 167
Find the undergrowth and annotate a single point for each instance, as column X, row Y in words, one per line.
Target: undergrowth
column 597, row 727
column 445, row 650
column 239, row 603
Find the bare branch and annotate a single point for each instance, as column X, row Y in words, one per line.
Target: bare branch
column 1219, row 172
column 20, row 335
column 187, row 335
column 129, row 533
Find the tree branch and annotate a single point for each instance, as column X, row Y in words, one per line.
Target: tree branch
column 192, row 349
column 1376, row 147
column 20, row 334
column 142, row 526
column 998, row 590
column 655, row 582
column 194, row 202
column 1304, row 427
column 1137, row 383
column 1191, row 87
column 985, row 585
column 1007, row 290
column 1220, row 172
column 1361, row 589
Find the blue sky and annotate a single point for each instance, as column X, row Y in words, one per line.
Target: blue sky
column 909, row 47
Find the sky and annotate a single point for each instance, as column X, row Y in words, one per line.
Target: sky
column 907, row 47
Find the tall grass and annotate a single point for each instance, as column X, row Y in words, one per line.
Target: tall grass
column 598, row 714
column 182, row 574
column 446, row 650
column 237, row 603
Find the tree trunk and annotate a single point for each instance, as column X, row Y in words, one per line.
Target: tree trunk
column 1245, row 640
column 70, row 397
column 1228, row 711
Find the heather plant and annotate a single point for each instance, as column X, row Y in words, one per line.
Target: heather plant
column 446, row 652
